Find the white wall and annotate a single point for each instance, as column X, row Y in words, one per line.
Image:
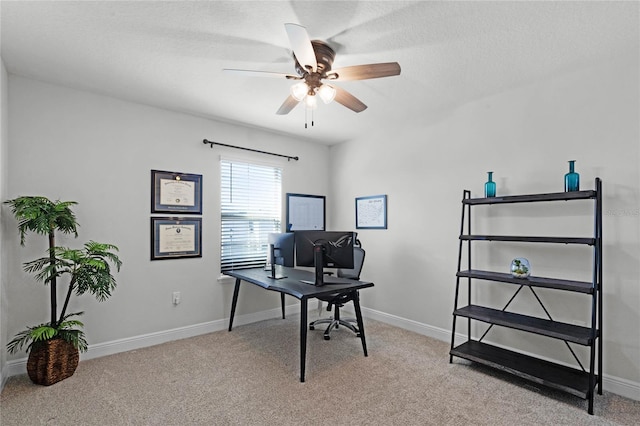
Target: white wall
column 98, row 151
column 4, row 141
column 526, row 137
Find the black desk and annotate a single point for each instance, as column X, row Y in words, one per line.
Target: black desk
column 293, row 287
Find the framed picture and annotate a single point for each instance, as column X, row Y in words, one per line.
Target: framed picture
column 371, row 212
column 176, row 237
column 305, row 212
column 173, row 192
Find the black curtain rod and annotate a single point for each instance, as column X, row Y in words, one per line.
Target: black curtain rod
column 289, row 158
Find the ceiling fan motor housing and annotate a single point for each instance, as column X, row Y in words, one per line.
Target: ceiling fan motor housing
column 324, row 57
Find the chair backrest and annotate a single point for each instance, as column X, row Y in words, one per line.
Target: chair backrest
column 358, row 261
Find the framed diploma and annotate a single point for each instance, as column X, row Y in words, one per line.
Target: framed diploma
column 176, row 237
column 371, row 212
column 305, row 212
column 173, row 192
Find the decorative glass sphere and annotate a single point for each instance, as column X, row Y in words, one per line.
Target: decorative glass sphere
column 520, row 267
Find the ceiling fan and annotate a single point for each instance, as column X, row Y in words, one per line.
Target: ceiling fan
column 313, row 61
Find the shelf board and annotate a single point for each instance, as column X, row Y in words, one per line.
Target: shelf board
column 567, row 379
column 558, row 284
column 515, row 238
column 554, row 196
column 557, row 330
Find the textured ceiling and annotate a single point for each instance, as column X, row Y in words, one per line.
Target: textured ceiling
column 171, row 54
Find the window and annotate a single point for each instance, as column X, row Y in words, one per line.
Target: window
column 251, row 200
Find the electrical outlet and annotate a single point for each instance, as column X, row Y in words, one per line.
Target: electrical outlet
column 176, row 297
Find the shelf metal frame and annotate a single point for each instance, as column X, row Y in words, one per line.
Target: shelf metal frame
column 580, row 382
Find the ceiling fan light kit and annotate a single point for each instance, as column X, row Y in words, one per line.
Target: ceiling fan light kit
column 311, row 102
column 313, row 60
column 327, row 93
column 299, row 90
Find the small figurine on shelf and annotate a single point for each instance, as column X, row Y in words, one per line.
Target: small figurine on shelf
column 490, row 186
column 520, row 268
column 571, row 179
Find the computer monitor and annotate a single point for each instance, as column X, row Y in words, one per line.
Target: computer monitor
column 283, row 247
column 324, row 249
column 280, row 251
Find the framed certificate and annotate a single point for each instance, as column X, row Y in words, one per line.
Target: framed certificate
column 176, row 237
column 305, row 212
column 173, row 192
column 371, row 212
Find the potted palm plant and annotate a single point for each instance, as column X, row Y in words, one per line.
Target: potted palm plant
column 54, row 346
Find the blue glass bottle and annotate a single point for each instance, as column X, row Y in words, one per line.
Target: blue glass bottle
column 571, row 179
column 490, row 186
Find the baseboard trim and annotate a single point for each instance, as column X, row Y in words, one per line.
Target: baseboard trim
column 407, row 324
column 4, row 376
column 617, row 385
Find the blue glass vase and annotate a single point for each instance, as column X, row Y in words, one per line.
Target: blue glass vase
column 490, row 186
column 571, row 179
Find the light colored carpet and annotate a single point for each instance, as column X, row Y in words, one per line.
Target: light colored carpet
column 250, row 377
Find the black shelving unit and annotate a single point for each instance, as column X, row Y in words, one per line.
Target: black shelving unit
column 580, row 381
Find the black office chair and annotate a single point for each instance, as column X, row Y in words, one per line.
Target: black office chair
column 337, row 300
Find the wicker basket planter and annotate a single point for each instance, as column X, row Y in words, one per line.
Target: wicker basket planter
column 52, row 361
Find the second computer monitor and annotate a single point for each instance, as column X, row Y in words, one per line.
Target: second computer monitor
column 283, row 247
column 336, row 247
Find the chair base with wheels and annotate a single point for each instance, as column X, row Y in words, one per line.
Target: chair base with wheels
column 336, row 321
column 337, row 300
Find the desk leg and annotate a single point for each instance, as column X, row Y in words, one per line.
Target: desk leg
column 234, row 301
column 282, row 303
column 303, row 337
column 356, row 304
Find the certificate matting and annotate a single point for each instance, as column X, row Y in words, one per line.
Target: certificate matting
column 175, row 192
column 371, row 212
column 175, row 237
column 305, row 212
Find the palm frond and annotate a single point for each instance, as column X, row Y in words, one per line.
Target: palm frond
column 43, row 216
column 31, row 335
column 93, row 271
column 76, row 338
column 69, row 330
column 37, row 265
column 19, row 341
column 43, row 332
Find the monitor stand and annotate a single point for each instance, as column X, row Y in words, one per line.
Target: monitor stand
column 318, row 262
column 273, row 274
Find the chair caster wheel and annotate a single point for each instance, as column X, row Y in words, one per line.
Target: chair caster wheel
column 311, row 327
column 358, row 335
column 327, row 337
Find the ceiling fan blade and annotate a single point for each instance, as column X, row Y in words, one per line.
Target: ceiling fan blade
column 288, row 104
column 347, row 99
column 364, row 72
column 251, row 73
column 301, row 46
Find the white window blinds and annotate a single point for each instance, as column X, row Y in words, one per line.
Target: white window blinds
column 251, row 200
